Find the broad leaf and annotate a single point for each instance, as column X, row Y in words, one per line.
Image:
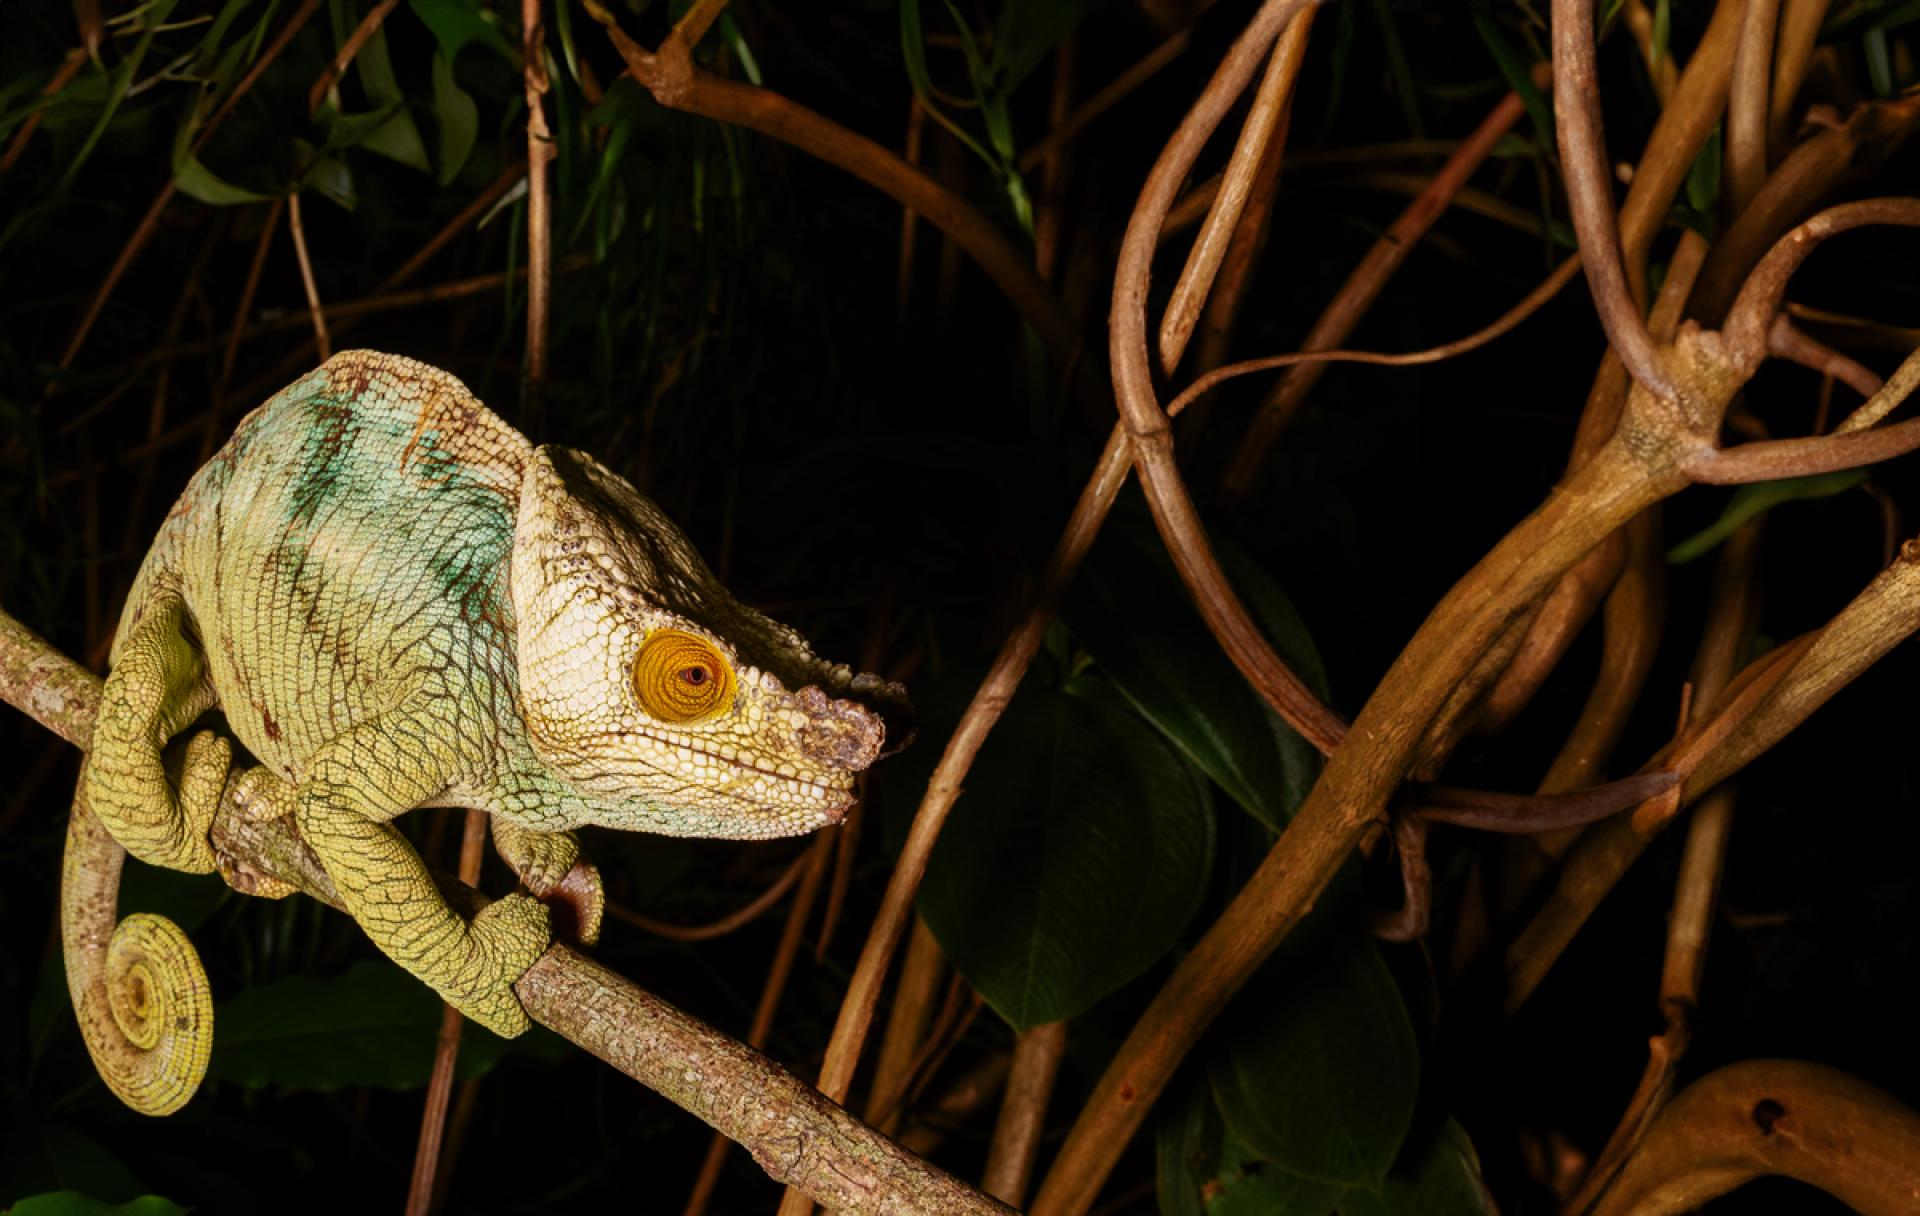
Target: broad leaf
column 1202, row 1169
column 457, row 118
column 371, row 1025
column 1078, row 852
column 195, row 180
column 456, row 23
column 398, row 138
column 1131, row 611
column 1321, row 1068
column 1444, row 1180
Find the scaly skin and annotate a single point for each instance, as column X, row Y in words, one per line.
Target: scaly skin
column 399, row 602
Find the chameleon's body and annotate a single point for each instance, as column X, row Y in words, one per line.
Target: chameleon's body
column 400, row 602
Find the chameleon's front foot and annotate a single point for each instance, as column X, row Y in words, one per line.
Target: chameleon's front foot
column 504, row 939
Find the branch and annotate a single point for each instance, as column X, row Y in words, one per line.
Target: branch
column 1583, row 157
column 677, row 84
column 796, row 1134
column 1774, row 1117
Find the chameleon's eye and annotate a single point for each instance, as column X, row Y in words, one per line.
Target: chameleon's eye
column 681, row 677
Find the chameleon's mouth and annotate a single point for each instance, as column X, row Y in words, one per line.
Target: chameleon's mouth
column 829, row 792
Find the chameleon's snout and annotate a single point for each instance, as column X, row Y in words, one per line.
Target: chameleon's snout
column 839, row 735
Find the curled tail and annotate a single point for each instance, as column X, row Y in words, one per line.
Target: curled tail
column 145, row 1009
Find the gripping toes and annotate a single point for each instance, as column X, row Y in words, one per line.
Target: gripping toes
column 261, row 795
column 199, row 782
column 506, row 937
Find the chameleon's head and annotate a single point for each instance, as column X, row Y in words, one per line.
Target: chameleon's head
column 644, row 683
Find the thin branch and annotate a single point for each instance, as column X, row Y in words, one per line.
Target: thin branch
column 1037, row 1053
column 1250, row 150
column 1747, row 105
column 1500, row 327
column 1363, row 286
column 149, row 223
column 321, row 342
column 730, row 923
column 797, row 1135
column 337, row 66
column 1528, row 814
column 62, row 76
column 676, row 83
column 433, row 1118
column 1106, row 98
column 1788, row 341
column 541, row 150
column 1589, row 181
column 1146, row 423
column 1799, row 32
column 248, row 289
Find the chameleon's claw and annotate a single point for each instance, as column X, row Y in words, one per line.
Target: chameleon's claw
column 578, row 902
column 247, row 880
column 507, row 936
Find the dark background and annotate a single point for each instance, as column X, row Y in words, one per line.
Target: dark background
column 736, row 350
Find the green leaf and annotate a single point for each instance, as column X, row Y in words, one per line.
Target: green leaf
column 1518, row 78
column 1202, row 1169
column 117, row 84
column 1879, row 61
column 458, row 23
column 1662, row 37
column 1077, row 854
column 1751, row 501
column 1131, row 611
column 1320, row 1068
column 1024, row 34
column 398, row 138
column 1443, row 1181
column 73, row 1203
column 197, row 181
column 457, row 118
column 373, row 1025
column 730, row 34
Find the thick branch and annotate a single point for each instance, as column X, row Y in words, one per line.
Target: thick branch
column 796, row 1134
column 1774, row 1117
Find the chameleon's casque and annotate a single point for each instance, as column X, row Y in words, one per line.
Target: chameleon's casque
column 398, row 602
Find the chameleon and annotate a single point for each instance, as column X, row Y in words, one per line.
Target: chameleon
column 398, row 601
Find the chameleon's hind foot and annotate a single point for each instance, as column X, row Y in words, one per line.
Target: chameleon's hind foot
column 506, row 937
column 198, row 770
column 261, row 795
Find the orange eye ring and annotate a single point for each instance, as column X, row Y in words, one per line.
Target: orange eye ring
column 681, row 677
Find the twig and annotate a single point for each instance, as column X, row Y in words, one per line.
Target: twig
column 1037, row 1053
column 1363, row 286
column 1250, row 151
column 244, row 307
column 1747, row 105
column 321, row 342
column 1584, row 165
column 149, row 223
column 797, row 1135
column 731, row 922
column 337, row 66
column 540, row 150
column 433, row 1118
column 906, row 1025
column 1106, row 98
column 1500, row 327
column 676, row 83
column 1146, row 423
column 62, row 76
column 1788, row 341
column 1800, row 22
